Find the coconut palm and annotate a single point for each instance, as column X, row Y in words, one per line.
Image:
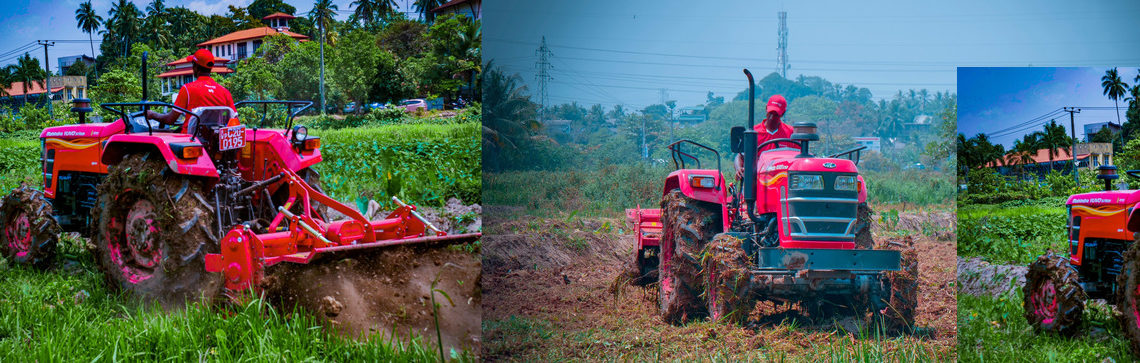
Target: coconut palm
column 1024, row 150
column 508, row 113
column 1055, row 139
column 28, row 71
column 88, row 21
column 424, row 7
column 322, row 15
column 156, row 22
column 1114, row 88
column 6, row 79
column 369, row 11
column 124, row 22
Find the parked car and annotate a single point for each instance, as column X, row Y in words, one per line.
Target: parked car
column 350, row 107
column 411, row 105
column 375, row 105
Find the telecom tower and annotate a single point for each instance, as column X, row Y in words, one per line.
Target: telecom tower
column 543, row 67
column 782, row 48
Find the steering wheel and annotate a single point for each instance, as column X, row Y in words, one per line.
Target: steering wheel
column 139, row 123
column 1133, row 173
column 794, row 143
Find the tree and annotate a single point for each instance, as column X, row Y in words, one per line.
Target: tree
column 242, row 19
column 1024, row 150
column 89, row 21
column 28, row 70
column 369, row 12
column 6, row 79
column 711, row 102
column 262, row 8
column 117, row 86
column 1056, row 140
column 79, row 68
column 508, row 113
column 297, row 71
column 275, row 47
column 354, row 65
column 405, row 38
column 158, row 31
column 388, row 85
column 322, row 15
column 122, row 24
column 1114, row 88
column 424, row 8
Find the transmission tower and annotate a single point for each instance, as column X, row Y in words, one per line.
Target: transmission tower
column 543, row 67
column 782, row 47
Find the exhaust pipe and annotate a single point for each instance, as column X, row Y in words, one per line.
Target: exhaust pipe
column 750, row 152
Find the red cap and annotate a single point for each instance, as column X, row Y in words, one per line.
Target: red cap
column 202, row 57
column 777, row 103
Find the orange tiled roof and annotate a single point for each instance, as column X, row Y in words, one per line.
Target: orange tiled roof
column 448, row 5
column 188, row 71
column 217, row 60
column 254, row 33
column 1042, row 156
column 278, row 15
column 17, row 89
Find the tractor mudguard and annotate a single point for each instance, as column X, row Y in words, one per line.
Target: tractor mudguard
column 1134, row 218
column 119, row 146
column 683, row 179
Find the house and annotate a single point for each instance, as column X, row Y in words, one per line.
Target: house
column 1089, row 156
column 1093, row 128
column 65, row 63
column 242, row 43
column 921, row 121
column 692, row 115
column 181, row 73
column 471, row 8
column 63, row 88
column 872, row 143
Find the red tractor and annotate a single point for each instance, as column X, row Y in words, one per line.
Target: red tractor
column 186, row 212
column 795, row 230
column 1103, row 262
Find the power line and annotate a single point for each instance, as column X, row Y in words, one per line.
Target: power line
column 543, row 66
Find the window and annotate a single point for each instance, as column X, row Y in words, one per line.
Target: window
column 241, row 50
column 256, row 44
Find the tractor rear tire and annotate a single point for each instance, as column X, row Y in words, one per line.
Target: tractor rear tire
column 902, row 300
column 153, row 231
column 1053, row 297
column 1128, row 292
column 728, row 296
column 688, row 225
column 863, row 238
column 28, row 233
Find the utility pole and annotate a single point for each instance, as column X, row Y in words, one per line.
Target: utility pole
column 664, row 96
column 47, row 77
column 543, row 66
column 322, row 68
column 1073, row 134
column 782, row 45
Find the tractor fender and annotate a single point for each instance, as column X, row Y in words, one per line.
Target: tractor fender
column 862, row 189
column 280, row 147
column 119, row 146
column 681, row 179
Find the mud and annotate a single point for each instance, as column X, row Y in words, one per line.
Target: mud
column 381, row 294
column 527, row 264
column 980, row 278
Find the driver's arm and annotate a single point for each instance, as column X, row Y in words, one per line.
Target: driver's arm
column 739, row 164
column 168, row 118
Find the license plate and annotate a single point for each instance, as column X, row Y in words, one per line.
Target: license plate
column 232, row 137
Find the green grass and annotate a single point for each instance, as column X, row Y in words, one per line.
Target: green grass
column 19, row 162
column 43, row 320
column 995, row 330
column 1011, row 234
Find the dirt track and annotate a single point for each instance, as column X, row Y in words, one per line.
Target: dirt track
column 548, row 295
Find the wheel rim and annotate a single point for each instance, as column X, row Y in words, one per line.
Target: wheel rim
column 1045, row 302
column 1135, row 312
column 134, row 244
column 19, row 233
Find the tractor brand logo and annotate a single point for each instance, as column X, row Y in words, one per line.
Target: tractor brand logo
column 829, row 165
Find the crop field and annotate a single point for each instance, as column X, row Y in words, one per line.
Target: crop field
column 68, row 313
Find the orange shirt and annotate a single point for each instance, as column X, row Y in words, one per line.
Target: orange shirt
column 203, row 92
column 783, row 132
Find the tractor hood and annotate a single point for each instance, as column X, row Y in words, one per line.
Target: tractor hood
column 1129, row 197
column 786, row 160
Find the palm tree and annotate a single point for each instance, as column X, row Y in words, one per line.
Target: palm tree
column 369, row 11
column 1055, row 139
column 322, row 14
column 28, row 70
column 424, row 7
column 6, row 79
column 1024, row 150
column 89, row 21
column 508, row 113
column 123, row 20
column 156, row 14
column 1114, row 88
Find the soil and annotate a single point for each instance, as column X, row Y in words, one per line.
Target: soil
column 532, row 273
column 980, row 278
column 386, row 292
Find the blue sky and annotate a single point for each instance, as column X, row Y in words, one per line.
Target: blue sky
column 624, row 52
column 995, row 99
column 27, row 21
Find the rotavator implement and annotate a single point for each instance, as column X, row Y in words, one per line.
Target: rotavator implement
column 180, row 213
column 796, row 229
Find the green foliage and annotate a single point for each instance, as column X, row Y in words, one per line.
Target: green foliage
column 298, row 73
column 19, row 162
column 116, row 86
column 916, row 187
column 354, row 65
column 421, row 164
column 1011, row 233
column 996, row 331
column 253, row 80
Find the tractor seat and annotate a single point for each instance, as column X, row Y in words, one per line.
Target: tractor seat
column 213, row 116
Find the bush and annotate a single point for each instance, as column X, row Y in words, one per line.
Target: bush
column 19, row 162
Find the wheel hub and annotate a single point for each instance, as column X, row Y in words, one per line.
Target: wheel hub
column 134, row 245
column 19, row 233
column 1135, row 312
column 1045, row 302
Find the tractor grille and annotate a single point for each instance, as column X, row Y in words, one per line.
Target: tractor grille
column 821, row 215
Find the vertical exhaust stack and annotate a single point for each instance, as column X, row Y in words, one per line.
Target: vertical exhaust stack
column 750, row 151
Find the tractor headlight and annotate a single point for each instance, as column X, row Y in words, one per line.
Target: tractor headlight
column 846, row 183
column 806, row 182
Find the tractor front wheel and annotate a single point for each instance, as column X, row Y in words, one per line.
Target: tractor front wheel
column 728, row 296
column 153, row 230
column 902, row 300
column 28, row 233
column 1128, row 292
column 1053, row 297
column 863, row 238
column 688, row 225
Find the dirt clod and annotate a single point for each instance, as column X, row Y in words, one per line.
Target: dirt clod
column 330, row 306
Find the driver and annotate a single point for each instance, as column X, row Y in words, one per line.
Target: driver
column 771, row 128
column 204, row 91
